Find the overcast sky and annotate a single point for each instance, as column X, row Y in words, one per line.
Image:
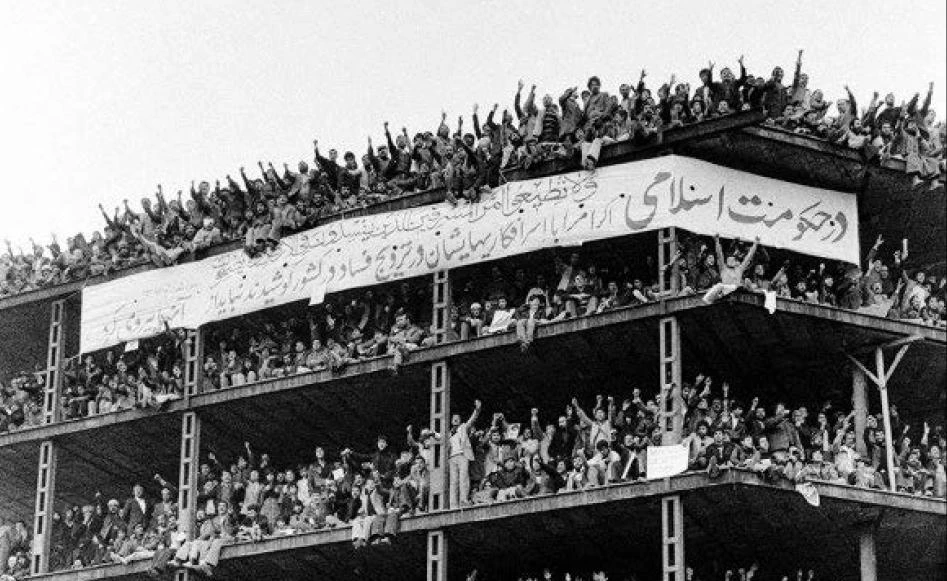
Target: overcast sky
column 103, row 100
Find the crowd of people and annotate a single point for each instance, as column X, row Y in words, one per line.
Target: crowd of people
column 396, row 320
column 574, row 126
column 884, row 130
column 494, row 458
column 886, row 285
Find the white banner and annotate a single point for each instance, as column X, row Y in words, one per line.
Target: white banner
column 562, row 210
column 665, row 461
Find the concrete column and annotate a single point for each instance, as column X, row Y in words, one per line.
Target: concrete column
column 188, row 470
column 867, row 558
column 52, row 393
column 441, row 306
column 860, row 406
column 436, row 556
column 440, row 425
column 672, row 428
column 668, row 282
column 882, row 375
column 193, row 362
column 672, row 539
column 43, row 518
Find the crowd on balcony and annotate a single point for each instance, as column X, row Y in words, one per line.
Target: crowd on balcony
column 396, row 320
column 885, row 286
column 259, row 210
column 493, row 458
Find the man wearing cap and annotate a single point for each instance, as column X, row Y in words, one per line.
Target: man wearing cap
column 460, row 454
column 112, row 523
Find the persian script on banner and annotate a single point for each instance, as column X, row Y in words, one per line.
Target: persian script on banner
column 516, row 218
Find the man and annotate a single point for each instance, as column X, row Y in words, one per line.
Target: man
column 571, row 114
column 731, row 271
column 774, row 94
column 460, row 454
column 509, row 480
column 596, row 106
column 207, row 236
column 382, row 459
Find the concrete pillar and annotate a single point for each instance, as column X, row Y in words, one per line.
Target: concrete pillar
column 46, row 470
column 883, row 375
column 436, row 556
column 860, row 406
column 867, row 558
column 440, row 425
column 672, row 539
column 54, row 359
column 188, row 470
column 43, row 518
column 668, row 281
column 672, row 428
column 193, row 362
column 440, row 319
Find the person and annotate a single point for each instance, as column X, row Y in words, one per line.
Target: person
column 731, row 271
column 460, row 455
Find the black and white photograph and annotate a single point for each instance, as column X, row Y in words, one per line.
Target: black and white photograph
column 473, row 291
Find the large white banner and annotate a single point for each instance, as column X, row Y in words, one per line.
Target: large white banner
column 519, row 217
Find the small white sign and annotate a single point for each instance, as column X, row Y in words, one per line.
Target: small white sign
column 664, row 461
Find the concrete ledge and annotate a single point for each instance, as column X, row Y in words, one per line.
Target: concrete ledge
column 891, row 327
column 626, row 492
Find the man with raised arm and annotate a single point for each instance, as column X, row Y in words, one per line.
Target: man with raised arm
column 731, row 271
column 460, row 454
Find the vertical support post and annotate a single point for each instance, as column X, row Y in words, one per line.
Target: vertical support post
column 436, row 556
column 42, row 519
column 672, row 539
column 667, row 251
column 189, row 468
column 440, row 319
column 670, row 370
column 193, row 362
column 54, row 359
column 440, row 425
column 867, row 558
column 882, row 376
column 860, row 406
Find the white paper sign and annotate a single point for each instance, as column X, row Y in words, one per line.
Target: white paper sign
column 516, row 218
column 664, row 461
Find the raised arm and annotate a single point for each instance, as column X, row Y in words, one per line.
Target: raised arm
column 516, row 101
column 748, row 259
column 927, row 99
column 391, row 144
column 797, row 74
column 852, row 101
column 583, row 417
column 108, row 221
column 530, row 106
column 719, row 250
column 474, row 415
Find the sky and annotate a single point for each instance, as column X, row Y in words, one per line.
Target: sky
column 102, row 101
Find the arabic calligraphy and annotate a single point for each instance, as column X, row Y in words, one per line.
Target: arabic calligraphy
column 516, row 218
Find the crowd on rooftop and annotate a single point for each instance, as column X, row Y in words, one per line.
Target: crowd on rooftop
column 574, row 126
column 493, row 457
